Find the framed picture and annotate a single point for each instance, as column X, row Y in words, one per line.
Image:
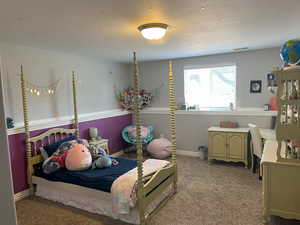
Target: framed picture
column 255, row 86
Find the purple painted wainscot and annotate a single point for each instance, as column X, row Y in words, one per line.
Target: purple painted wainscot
column 109, row 128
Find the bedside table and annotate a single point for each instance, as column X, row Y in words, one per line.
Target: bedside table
column 103, row 143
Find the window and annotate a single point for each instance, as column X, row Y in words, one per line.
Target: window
column 210, row 88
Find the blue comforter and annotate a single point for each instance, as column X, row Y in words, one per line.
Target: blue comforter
column 100, row 179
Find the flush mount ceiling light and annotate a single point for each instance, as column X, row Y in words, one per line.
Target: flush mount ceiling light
column 153, row 31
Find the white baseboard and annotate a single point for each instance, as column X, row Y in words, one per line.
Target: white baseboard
column 187, row 153
column 20, row 195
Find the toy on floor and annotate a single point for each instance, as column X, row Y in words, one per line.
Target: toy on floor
column 160, row 148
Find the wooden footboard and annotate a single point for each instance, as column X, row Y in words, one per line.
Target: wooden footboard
column 158, row 183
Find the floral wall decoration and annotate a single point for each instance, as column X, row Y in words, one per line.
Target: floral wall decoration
column 146, row 97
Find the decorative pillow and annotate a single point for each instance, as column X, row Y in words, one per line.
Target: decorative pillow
column 50, row 149
column 78, row 158
column 144, row 132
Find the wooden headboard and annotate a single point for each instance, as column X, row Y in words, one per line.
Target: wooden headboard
column 46, row 138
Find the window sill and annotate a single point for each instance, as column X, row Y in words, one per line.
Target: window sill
column 239, row 112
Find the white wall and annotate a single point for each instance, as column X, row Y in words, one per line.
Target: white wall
column 97, row 79
column 251, row 65
column 192, row 129
column 7, row 204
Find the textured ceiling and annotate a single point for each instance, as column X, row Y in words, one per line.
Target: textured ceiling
column 108, row 28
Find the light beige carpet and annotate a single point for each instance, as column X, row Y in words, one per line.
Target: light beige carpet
column 217, row 194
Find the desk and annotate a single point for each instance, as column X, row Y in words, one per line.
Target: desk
column 281, row 184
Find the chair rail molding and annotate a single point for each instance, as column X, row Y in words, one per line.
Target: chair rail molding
column 66, row 120
column 239, row 112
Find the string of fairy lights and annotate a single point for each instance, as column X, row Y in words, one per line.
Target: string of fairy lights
column 41, row 90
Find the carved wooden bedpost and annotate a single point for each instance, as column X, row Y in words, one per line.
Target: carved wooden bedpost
column 76, row 124
column 140, row 185
column 27, row 132
column 172, row 120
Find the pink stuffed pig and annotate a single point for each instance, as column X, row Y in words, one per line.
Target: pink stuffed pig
column 78, row 158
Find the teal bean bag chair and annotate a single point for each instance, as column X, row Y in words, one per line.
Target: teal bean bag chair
column 129, row 134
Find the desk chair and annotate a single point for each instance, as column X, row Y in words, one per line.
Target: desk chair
column 256, row 146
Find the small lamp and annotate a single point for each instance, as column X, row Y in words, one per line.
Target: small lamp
column 93, row 132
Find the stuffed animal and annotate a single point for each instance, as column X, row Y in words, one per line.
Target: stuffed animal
column 159, row 148
column 56, row 161
column 51, row 164
column 73, row 155
column 102, row 160
column 78, row 158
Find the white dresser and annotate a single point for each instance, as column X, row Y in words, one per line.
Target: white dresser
column 228, row 144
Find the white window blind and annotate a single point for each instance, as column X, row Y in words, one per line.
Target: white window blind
column 210, row 88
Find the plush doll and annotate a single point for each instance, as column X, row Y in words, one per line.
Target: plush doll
column 52, row 164
column 73, row 155
column 57, row 160
column 78, row 158
column 102, row 160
